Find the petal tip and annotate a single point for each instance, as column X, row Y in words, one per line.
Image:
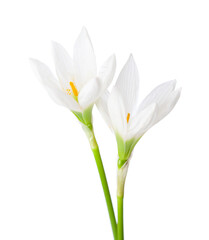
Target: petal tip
column 131, row 56
column 131, row 61
column 174, row 81
column 56, row 48
column 54, row 45
column 35, row 63
column 112, row 58
column 84, row 33
column 32, row 60
column 84, row 29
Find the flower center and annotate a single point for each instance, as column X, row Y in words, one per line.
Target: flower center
column 128, row 117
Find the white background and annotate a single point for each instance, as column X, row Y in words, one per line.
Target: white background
column 49, row 185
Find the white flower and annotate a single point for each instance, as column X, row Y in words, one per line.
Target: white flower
column 77, row 86
column 126, row 117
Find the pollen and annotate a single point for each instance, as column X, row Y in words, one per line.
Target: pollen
column 128, row 117
column 74, row 89
column 68, row 91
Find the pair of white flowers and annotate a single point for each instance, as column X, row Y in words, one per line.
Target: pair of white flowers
column 79, row 86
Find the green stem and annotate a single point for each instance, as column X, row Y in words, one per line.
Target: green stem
column 120, row 218
column 122, row 173
column 95, row 149
column 106, row 190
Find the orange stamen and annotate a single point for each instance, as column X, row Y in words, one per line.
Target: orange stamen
column 74, row 89
column 128, row 117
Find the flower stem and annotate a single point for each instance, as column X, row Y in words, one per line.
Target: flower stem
column 122, row 173
column 97, row 156
column 120, row 218
column 106, row 190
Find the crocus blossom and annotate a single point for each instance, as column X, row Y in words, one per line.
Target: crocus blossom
column 129, row 119
column 78, row 85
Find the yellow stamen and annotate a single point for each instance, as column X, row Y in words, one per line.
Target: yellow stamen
column 128, row 117
column 68, row 91
column 74, row 89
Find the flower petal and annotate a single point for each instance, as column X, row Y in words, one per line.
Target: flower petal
column 159, row 94
column 84, row 59
column 63, row 64
column 168, row 105
column 43, row 73
column 62, row 98
column 142, row 121
column 103, row 109
column 107, row 71
column 128, row 84
column 117, row 112
column 48, row 80
column 89, row 93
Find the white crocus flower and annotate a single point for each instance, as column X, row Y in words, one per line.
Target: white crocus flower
column 77, row 86
column 126, row 117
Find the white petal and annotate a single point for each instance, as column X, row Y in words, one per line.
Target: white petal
column 168, row 104
column 48, row 80
column 63, row 64
column 89, row 93
column 103, row 109
column 142, row 121
column 84, row 59
column 128, row 84
column 107, row 71
column 117, row 112
column 43, row 73
column 159, row 94
column 62, row 98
